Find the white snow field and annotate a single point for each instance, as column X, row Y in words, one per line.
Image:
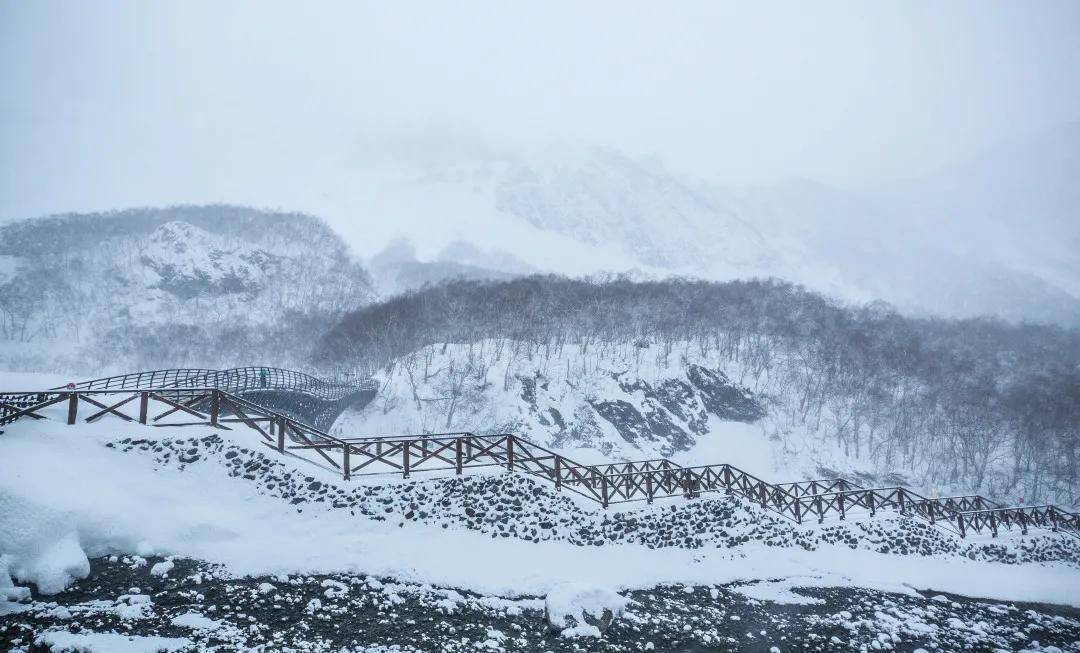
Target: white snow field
column 65, row 495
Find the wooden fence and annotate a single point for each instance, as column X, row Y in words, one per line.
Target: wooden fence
column 606, row 484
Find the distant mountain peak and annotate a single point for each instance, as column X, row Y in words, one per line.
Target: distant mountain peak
column 190, row 261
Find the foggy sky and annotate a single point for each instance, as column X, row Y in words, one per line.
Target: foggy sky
column 108, row 105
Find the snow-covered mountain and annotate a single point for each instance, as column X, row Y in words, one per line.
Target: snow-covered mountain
column 603, row 197
column 573, row 210
column 984, row 237
column 154, row 284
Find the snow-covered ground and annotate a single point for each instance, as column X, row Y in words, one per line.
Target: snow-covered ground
column 65, row 495
column 18, row 381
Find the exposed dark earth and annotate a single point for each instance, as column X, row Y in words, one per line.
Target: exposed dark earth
column 199, row 608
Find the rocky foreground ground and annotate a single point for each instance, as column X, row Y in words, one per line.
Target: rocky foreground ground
column 139, row 604
column 184, row 605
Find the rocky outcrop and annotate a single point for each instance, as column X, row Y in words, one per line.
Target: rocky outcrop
column 673, row 411
column 723, row 398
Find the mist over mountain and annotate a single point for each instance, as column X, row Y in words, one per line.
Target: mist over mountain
column 1015, row 203
column 397, row 269
column 934, row 246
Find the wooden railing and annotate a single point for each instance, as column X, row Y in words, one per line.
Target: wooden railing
column 307, row 398
column 606, row 484
column 237, row 379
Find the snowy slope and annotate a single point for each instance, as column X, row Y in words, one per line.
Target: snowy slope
column 628, row 407
column 256, row 514
column 628, row 403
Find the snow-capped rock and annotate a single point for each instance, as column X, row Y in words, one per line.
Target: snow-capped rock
column 577, row 610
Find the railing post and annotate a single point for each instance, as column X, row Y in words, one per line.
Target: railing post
column 509, row 453
column 993, row 525
column 900, row 498
column 73, row 407
column 604, row 491
column 346, row 468
column 648, row 487
column 405, row 446
column 144, row 406
column 870, row 501
column 960, row 525
column 281, row 433
column 820, row 510
column 457, row 455
column 840, row 504
column 215, row 407
column 798, row 510
column 1053, row 518
column 1023, row 521
column 558, row 473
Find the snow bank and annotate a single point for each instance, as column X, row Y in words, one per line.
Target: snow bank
column 40, row 545
column 8, row 591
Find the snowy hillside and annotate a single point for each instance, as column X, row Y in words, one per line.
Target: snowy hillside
column 619, row 406
column 150, row 287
